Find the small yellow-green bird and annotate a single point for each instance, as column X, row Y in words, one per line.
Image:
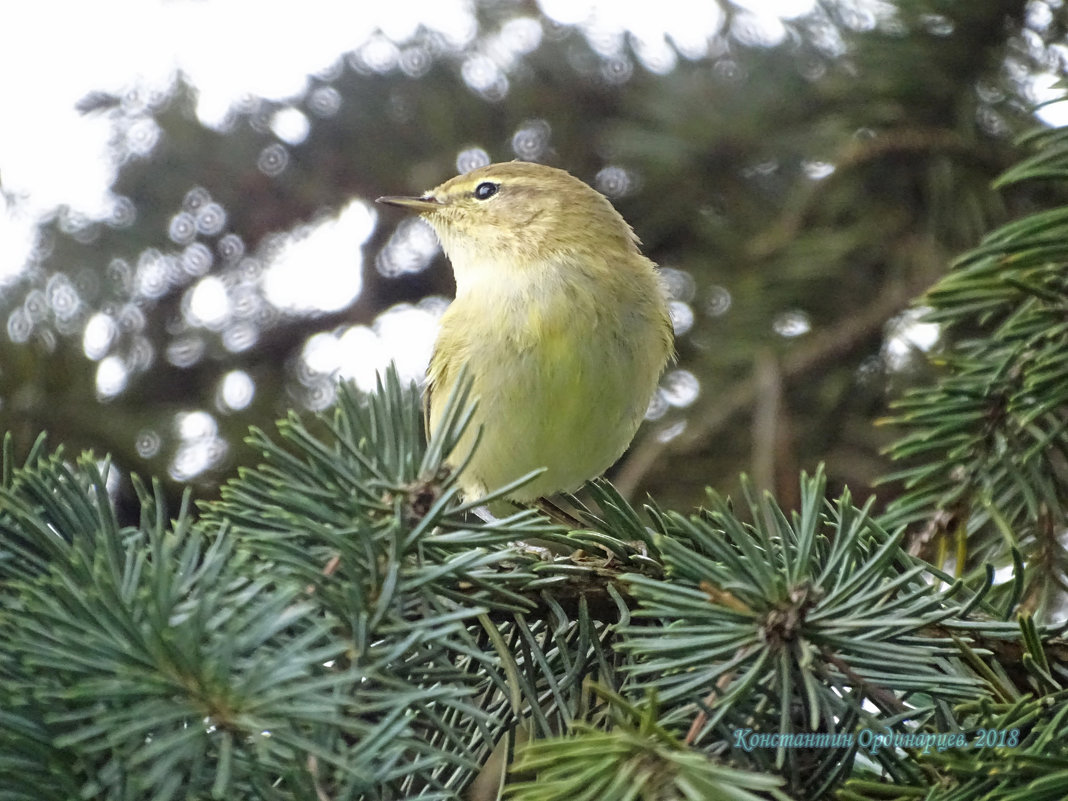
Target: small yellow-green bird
column 561, row 321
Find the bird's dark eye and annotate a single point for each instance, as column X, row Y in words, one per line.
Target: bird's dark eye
column 486, row 190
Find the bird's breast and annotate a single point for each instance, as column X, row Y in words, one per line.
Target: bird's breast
column 563, row 358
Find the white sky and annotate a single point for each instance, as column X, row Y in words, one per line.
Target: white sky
column 54, row 52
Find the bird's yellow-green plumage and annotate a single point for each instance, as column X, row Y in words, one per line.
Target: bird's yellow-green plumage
column 561, row 321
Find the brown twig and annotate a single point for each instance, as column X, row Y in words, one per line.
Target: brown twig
column 702, row 717
column 874, row 691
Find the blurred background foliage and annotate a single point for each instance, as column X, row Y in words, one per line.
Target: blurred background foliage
column 801, row 171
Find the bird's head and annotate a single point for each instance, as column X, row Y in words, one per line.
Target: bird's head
column 521, row 214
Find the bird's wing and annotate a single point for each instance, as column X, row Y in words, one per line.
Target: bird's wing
column 438, row 379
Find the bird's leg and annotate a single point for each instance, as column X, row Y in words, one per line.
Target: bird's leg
column 557, row 514
column 484, row 514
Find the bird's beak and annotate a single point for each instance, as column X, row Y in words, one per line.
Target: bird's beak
column 419, row 204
